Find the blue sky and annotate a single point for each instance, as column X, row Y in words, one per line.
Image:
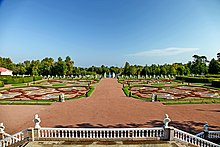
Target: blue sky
column 110, row 32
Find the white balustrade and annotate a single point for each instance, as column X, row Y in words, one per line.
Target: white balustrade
column 100, row 132
column 192, row 139
column 12, row 139
column 214, row 134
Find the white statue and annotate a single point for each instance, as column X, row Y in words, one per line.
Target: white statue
column 2, row 128
column 62, row 98
column 166, row 121
column 37, row 121
column 206, row 127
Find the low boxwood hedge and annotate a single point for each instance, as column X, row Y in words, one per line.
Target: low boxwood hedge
column 1, row 84
column 17, row 79
column 195, row 79
column 216, row 83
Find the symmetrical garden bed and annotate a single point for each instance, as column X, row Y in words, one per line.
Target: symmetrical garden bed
column 169, row 91
column 48, row 90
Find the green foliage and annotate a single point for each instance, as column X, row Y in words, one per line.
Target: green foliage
column 59, row 85
column 126, row 90
column 214, row 66
column 23, row 102
column 1, row 84
column 15, row 80
column 216, row 83
column 195, row 79
column 36, row 78
column 91, row 89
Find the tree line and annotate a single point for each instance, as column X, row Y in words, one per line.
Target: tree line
column 48, row 66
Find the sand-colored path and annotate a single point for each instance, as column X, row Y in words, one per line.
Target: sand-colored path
column 109, row 107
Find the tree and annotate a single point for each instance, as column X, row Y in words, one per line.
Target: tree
column 46, row 66
column 126, row 69
column 214, row 67
column 69, row 64
column 199, row 65
column 218, row 56
column 60, row 67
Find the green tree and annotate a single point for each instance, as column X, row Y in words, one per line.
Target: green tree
column 69, row 64
column 60, row 67
column 126, row 69
column 214, row 67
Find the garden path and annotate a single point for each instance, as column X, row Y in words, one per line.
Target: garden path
column 109, row 107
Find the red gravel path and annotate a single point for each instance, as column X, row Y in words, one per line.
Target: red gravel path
column 109, row 107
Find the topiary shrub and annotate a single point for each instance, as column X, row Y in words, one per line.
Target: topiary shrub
column 1, row 84
column 216, row 83
column 195, row 79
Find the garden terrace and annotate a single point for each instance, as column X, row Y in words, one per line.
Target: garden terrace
column 169, row 91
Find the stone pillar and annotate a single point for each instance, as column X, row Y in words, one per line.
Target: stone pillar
column 168, row 131
column 30, row 133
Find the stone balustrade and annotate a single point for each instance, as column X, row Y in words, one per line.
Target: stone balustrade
column 180, row 135
column 101, row 133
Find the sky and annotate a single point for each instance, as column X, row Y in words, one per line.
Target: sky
column 110, row 32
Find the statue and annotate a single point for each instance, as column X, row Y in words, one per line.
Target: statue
column 62, row 98
column 37, row 121
column 166, row 121
column 206, row 127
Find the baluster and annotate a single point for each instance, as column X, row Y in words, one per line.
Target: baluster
column 107, row 134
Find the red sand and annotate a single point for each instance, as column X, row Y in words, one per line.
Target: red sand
column 109, row 107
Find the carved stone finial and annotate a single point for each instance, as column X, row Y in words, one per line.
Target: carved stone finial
column 37, row 121
column 206, row 127
column 166, row 121
column 2, row 128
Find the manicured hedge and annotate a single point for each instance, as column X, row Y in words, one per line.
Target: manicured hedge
column 1, row 83
column 16, row 80
column 216, row 83
column 36, row 78
column 195, row 79
column 212, row 76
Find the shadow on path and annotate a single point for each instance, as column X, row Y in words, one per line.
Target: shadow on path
column 188, row 126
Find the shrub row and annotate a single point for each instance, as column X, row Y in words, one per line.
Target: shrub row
column 212, row 76
column 195, row 79
column 216, row 83
column 36, row 78
column 16, row 80
column 1, row 83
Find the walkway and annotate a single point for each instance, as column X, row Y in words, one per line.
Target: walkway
column 109, row 107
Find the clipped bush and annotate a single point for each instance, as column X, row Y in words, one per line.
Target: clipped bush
column 212, row 75
column 195, row 79
column 27, row 79
column 126, row 90
column 216, row 83
column 15, row 79
column 36, row 78
column 1, row 83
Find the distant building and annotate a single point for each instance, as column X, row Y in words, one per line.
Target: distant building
column 4, row 71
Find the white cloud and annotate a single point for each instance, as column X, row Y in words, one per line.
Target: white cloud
column 164, row 52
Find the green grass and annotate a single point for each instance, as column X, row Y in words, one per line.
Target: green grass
column 187, row 102
column 59, row 85
column 126, row 90
column 19, row 84
column 25, row 102
column 91, row 90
